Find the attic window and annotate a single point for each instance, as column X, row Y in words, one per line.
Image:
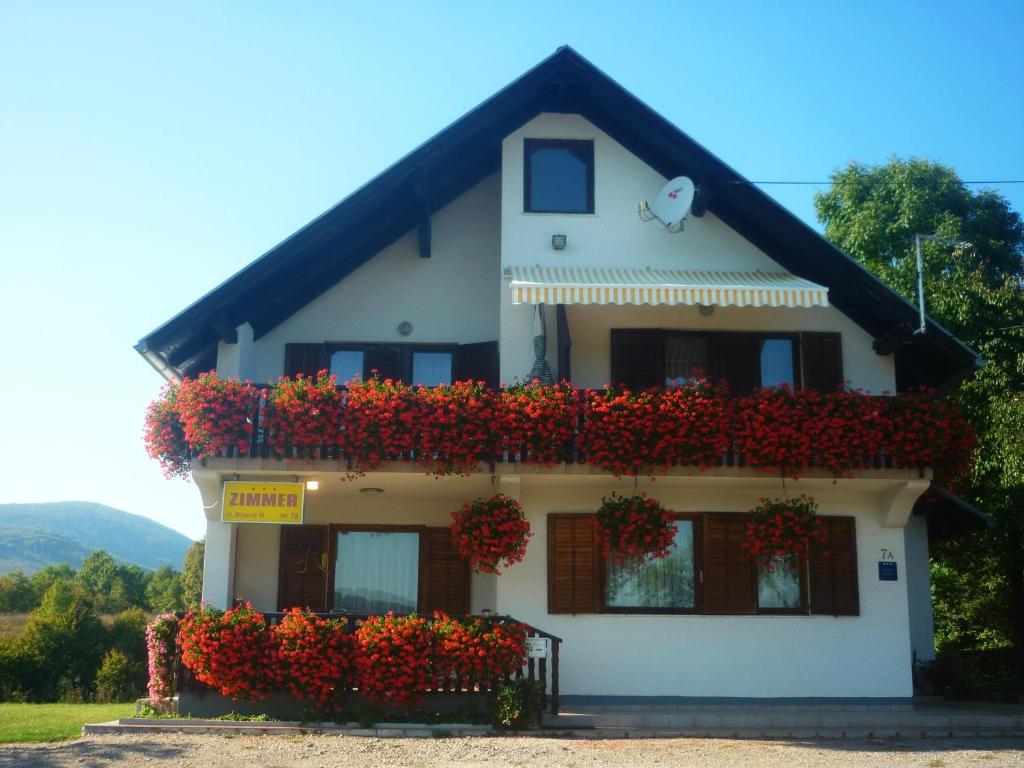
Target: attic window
column 558, row 176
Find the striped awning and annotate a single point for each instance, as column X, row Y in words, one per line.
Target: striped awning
column 583, row 285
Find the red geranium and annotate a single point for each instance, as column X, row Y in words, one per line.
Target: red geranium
column 458, row 425
column 230, row 650
column 634, row 529
column 315, row 657
column 538, row 421
column 304, row 414
column 491, row 533
column 380, row 422
column 164, row 434
column 621, row 430
column 217, row 414
column 478, row 651
column 784, row 531
column 393, row 659
column 692, row 426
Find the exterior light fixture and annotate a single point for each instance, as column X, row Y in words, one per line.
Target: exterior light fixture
column 312, row 485
column 371, row 491
column 558, row 242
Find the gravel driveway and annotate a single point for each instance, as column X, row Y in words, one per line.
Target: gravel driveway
column 192, row 751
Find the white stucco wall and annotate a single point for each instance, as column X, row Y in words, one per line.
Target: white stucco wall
column 452, row 297
column 721, row 656
column 615, row 236
column 919, row 589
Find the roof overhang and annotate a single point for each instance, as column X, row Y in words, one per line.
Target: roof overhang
column 949, row 516
column 315, row 258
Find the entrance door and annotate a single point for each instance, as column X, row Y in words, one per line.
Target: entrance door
column 304, row 567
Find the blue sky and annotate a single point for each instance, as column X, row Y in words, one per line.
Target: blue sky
column 149, row 150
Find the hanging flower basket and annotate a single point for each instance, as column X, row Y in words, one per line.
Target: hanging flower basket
column 784, row 531
column 635, row 529
column 490, row 533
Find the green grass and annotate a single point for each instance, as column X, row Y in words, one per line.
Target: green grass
column 53, row 722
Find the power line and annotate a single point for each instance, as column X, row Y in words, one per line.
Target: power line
column 826, row 183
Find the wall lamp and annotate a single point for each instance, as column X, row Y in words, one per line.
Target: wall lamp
column 558, row 242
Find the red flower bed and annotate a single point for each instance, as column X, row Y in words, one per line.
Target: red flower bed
column 230, row 650
column 621, row 432
column 304, row 414
column 634, row 529
column 164, row 435
column 538, row 421
column 692, row 426
column 924, row 430
column 393, row 659
column 315, row 657
column 785, row 531
column 380, row 422
column 457, row 425
column 217, row 414
column 490, row 533
column 479, row 651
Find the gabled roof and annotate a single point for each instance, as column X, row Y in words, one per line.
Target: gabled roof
column 315, row 258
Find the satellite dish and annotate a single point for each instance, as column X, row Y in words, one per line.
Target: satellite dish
column 671, row 206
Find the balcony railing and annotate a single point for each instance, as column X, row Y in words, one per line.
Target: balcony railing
column 535, row 668
column 876, row 432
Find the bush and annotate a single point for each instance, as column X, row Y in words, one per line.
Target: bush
column 117, row 678
column 519, row 704
column 62, row 645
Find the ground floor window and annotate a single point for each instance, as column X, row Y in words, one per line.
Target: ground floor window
column 780, row 588
column 667, row 584
column 376, row 572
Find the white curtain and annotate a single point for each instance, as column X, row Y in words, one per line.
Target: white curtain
column 431, row 369
column 664, row 583
column 377, row 572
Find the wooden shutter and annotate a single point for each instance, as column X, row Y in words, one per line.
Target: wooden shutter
column 833, row 589
column 574, row 565
column 444, row 575
column 736, row 357
column 822, row 357
column 728, row 575
column 306, row 359
column 386, row 361
column 302, row 580
column 477, row 362
column 638, row 358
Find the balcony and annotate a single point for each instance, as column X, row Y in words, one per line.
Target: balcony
column 467, row 428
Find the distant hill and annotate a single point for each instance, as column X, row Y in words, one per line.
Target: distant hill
column 33, row 536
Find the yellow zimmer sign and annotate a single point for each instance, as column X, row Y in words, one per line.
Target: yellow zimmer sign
column 262, row 502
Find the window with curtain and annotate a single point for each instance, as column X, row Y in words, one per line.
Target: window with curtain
column 377, row 572
column 347, row 365
column 686, row 359
column 776, row 362
column 661, row 584
column 431, row 369
column 779, row 589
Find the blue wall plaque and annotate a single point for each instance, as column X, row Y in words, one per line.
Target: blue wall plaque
column 887, row 570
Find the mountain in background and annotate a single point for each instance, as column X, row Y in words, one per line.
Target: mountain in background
column 33, row 536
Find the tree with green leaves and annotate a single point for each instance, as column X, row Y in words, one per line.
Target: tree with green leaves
column 192, row 573
column 164, row 590
column 977, row 292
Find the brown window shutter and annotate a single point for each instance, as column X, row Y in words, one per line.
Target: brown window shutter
column 822, row 357
column 736, row 357
column 574, row 565
column 638, row 358
column 445, row 575
column 728, row 575
column 834, row 590
column 477, row 362
column 302, row 580
column 306, row 359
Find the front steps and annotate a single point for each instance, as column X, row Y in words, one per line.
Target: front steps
column 792, row 721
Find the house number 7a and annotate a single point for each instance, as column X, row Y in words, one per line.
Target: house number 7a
column 887, row 554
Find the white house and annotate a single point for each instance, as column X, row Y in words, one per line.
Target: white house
column 432, row 272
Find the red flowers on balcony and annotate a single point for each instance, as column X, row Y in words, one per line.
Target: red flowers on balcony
column 457, row 428
column 490, row 534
